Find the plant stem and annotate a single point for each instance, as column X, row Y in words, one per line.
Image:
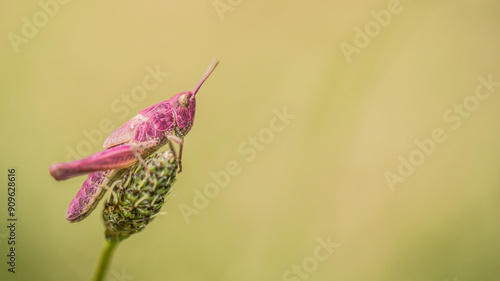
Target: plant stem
column 107, row 253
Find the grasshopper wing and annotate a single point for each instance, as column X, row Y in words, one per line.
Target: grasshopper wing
column 125, row 132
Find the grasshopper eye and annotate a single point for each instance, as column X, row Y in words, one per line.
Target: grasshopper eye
column 184, row 100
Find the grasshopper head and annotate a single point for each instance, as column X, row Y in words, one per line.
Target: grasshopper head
column 184, row 104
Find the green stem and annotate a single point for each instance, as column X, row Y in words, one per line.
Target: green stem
column 106, row 258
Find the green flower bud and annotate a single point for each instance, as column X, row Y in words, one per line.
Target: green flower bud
column 136, row 198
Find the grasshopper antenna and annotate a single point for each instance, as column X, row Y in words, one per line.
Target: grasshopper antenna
column 211, row 68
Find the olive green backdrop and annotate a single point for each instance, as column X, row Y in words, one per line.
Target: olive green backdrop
column 388, row 150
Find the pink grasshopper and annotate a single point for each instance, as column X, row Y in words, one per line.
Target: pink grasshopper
column 141, row 136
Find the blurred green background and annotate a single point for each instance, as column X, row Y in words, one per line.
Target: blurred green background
column 321, row 176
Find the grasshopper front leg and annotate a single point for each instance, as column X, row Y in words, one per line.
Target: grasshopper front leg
column 179, row 141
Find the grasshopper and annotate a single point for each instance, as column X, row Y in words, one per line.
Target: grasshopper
column 165, row 122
